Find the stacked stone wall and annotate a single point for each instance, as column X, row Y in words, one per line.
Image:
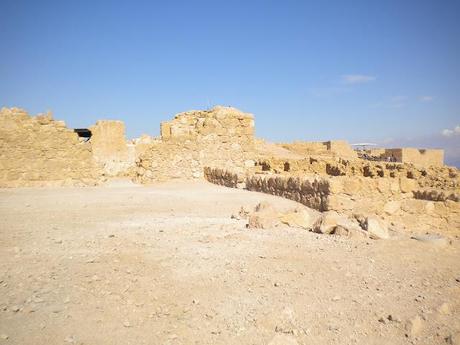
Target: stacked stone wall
column 332, row 148
column 396, row 200
column 110, row 148
column 221, row 137
column 37, row 151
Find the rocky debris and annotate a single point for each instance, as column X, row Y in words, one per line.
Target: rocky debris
column 390, row 195
column 327, row 223
column 392, row 207
column 264, row 217
column 242, row 214
column 434, row 239
column 443, row 309
column 376, row 228
column 301, row 218
column 332, row 222
column 414, row 326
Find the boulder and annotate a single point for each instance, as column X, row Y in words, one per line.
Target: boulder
column 263, row 217
column 414, row 326
column 376, row 228
column 332, row 222
column 300, row 218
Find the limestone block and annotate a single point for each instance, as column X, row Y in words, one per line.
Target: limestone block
column 407, row 185
column 392, row 207
column 301, row 218
column 352, row 186
column 331, row 221
column 340, row 202
column 376, row 228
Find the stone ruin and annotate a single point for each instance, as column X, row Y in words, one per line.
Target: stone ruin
column 219, row 145
column 220, row 137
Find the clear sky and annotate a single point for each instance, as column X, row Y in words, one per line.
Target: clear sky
column 380, row 71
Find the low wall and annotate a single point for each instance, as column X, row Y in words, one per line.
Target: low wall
column 444, row 178
column 396, row 200
column 310, row 191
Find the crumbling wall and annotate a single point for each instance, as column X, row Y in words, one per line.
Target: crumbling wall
column 311, row 191
column 36, row 151
column 445, row 178
column 398, row 200
column 332, row 148
column 110, row 149
column 341, row 148
column 221, row 137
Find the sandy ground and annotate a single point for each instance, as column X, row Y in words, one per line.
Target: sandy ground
column 166, row 264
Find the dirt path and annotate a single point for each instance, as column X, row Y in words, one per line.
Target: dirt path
column 166, row 264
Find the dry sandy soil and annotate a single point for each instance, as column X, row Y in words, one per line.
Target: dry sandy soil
column 166, row 264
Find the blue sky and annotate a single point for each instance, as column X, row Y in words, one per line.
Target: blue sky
column 379, row 71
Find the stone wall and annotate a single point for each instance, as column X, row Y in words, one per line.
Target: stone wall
column 36, row 151
column 110, row 149
column 445, row 178
column 422, row 157
column 391, row 199
column 332, row 148
column 221, row 137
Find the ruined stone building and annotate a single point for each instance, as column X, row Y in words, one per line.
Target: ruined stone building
column 219, row 145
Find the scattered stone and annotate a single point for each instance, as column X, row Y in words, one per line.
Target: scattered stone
column 434, row 239
column 443, row 309
column 126, row 324
column 264, row 217
column 414, row 326
column 15, row 308
column 333, row 223
column 393, row 318
column 300, row 218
